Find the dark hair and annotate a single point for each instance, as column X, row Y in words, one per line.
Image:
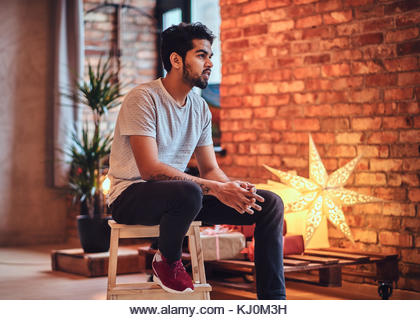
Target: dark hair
column 178, row 38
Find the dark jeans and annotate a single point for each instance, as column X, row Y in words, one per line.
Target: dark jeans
column 175, row 204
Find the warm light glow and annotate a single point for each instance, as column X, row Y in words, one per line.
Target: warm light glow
column 106, row 185
column 321, row 196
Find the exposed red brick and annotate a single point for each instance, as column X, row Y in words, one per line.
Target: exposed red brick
column 334, row 70
column 265, row 112
column 401, row 6
column 317, row 110
column 291, row 86
column 285, row 149
column 249, row 19
column 338, row 17
column 401, row 64
column 347, row 29
column 401, row 35
column 409, row 78
column 383, row 137
column 261, row 148
column 323, row 58
column 337, row 43
column 236, row 44
column 306, row 72
column 328, row 5
column 365, row 95
column 230, row 34
column 277, row 3
column 306, row 124
column 397, row 122
column 244, row 136
column 334, row 124
column 365, row 67
column 366, row 123
column 367, row 39
column 414, row 194
column 255, row 30
column 346, row 55
column 279, row 124
column 355, row 3
column 273, row 15
column 395, row 239
column 280, row 99
column 304, row 98
column 398, row 94
column 405, row 150
column 321, row 32
column 409, row 19
column 309, row 22
column 255, row 53
column 378, row 24
column 408, row 48
column 411, row 136
column 304, row 47
column 283, row 62
column 228, row 23
column 408, row 107
column 266, row 88
column 381, row 80
column 253, row 6
column 370, row 179
column 383, row 51
column 280, row 26
column 369, row 11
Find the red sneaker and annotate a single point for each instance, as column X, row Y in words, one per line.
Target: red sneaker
column 172, row 277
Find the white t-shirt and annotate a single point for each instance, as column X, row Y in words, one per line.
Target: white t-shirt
column 149, row 110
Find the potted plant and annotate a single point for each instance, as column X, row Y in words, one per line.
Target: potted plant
column 88, row 152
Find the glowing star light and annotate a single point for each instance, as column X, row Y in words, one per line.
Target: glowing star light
column 322, row 196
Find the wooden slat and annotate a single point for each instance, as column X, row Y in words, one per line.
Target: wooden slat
column 293, row 262
column 311, row 258
column 350, row 251
column 152, row 291
column 343, row 255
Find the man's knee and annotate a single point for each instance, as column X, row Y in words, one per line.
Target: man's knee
column 273, row 202
column 189, row 194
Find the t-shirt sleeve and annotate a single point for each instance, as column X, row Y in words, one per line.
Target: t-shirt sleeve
column 206, row 135
column 138, row 115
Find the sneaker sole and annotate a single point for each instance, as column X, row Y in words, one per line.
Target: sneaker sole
column 157, row 280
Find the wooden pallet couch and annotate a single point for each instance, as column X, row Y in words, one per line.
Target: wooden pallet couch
column 300, row 265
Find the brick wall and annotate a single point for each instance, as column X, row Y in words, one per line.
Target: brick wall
column 346, row 71
column 137, row 44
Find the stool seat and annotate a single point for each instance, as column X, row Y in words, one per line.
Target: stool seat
column 151, row 290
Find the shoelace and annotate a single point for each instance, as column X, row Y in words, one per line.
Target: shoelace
column 177, row 267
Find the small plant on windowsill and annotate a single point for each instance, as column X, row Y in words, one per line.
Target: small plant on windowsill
column 89, row 151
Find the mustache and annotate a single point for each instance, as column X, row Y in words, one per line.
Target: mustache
column 209, row 70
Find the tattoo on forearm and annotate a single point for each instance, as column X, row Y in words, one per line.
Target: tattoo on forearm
column 160, row 176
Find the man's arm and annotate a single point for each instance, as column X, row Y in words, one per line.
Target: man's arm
column 231, row 193
column 207, row 164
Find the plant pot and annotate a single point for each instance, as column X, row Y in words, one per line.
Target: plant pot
column 94, row 233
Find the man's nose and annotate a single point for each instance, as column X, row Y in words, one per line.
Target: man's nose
column 209, row 63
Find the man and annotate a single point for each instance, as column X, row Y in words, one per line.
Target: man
column 160, row 125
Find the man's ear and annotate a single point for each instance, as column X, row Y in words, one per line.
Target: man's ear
column 176, row 60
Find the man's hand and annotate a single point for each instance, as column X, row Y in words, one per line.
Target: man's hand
column 239, row 195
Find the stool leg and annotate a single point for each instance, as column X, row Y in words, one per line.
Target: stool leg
column 113, row 259
column 200, row 257
column 194, row 259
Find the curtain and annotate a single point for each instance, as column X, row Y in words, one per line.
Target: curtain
column 68, row 66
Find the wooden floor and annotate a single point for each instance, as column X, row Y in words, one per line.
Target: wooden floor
column 25, row 273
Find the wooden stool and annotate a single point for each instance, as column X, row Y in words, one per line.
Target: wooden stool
column 151, row 290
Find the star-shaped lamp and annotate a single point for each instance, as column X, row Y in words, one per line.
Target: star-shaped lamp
column 321, row 196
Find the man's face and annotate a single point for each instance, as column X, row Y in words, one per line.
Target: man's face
column 197, row 65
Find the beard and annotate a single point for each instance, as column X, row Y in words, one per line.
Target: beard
column 194, row 81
